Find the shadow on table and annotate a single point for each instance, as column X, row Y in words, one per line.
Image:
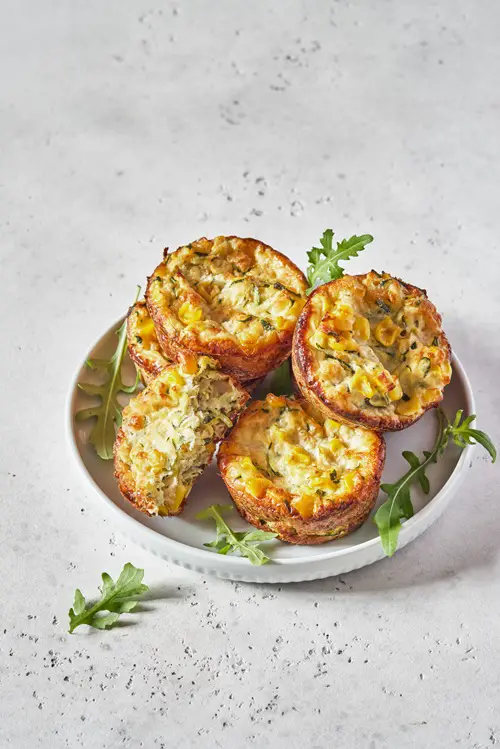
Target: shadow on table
column 464, row 539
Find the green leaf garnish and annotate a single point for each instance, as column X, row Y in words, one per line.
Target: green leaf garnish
column 116, row 598
column 281, row 380
column 228, row 541
column 463, row 434
column 109, row 411
column 398, row 506
column 324, row 261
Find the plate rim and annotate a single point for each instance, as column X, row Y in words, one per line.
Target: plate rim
column 221, row 565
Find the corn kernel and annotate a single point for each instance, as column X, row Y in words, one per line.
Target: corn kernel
column 396, row 393
column 190, row 364
column 189, row 313
column 147, row 329
column 246, row 463
column 281, row 323
column 429, row 396
column 180, row 493
column 348, row 480
column 344, row 317
column 320, row 339
column 386, row 332
column 280, row 306
column 275, row 401
column 257, row 486
column 156, row 460
column 407, row 408
column 174, row 378
column 335, row 444
column 322, row 482
column 383, row 380
column 362, row 328
column 305, row 505
column 331, row 426
column 346, row 344
column 361, row 383
column 278, row 435
column 299, row 455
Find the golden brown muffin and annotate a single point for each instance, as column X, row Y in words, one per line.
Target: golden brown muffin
column 292, row 471
column 370, row 350
column 170, row 431
column 236, row 300
column 143, row 345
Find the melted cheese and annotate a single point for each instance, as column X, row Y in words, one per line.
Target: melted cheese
column 229, row 289
column 375, row 344
column 284, row 444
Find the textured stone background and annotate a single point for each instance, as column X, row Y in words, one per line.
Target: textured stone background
column 127, row 126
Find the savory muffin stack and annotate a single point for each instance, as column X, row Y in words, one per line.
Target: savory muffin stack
column 369, row 355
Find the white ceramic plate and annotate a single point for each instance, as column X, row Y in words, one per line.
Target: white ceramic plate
column 180, row 540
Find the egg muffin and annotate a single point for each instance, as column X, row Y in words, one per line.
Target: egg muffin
column 291, row 470
column 170, row 431
column 143, row 345
column 237, row 300
column 370, row 349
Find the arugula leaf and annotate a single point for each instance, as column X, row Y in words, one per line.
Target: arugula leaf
column 462, row 434
column 116, row 598
column 109, row 411
column 398, row 506
column 281, row 380
column 228, row 541
column 324, row 261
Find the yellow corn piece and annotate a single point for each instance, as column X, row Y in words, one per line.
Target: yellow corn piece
column 246, row 464
column 190, row 364
column 156, row 460
column 346, row 344
column 407, row 408
column 396, row 393
column 331, row 426
column 335, row 444
column 430, row 395
column 344, row 317
column 362, row 328
column 174, row 378
column 320, row 339
column 281, row 323
column 386, row 332
column 321, row 482
column 305, row 505
column 257, row 486
column 280, row 306
column 180, row 493
column 361, row 383
column 278, row 435
column 147, row 329
column 275, row 401
column 348, row 480
column 299, row 455
column 189, row 313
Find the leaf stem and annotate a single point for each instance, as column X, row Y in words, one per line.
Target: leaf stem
column 439, row 445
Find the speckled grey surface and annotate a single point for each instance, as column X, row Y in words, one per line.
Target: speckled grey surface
column 127, row 126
